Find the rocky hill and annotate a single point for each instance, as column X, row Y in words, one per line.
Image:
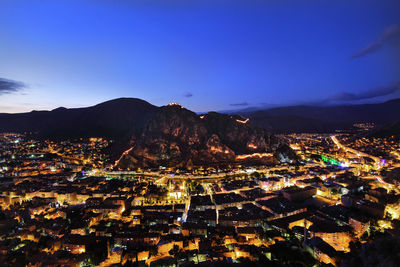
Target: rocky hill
column 156, row 136
column 178, row 137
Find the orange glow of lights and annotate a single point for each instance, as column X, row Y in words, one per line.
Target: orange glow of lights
column 245, row 121
column 381, row 181
column 126, row 152
column 254, row 155
column 252, row 146
column 215, row 149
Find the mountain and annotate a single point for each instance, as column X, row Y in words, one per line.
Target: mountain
column 177, row 137
column 323, row 119
column 392, row 129
column 111, row 119
column 156, row 136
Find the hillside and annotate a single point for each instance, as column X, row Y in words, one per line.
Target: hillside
column 111, row 119
column 324, row 119
column 181, row 138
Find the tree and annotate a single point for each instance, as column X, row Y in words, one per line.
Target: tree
column 97, row 251
column 153, row 251
column 383, row 251
column 174, row 252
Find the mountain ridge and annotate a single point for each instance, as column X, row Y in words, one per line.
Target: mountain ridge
column 177, row 137
column 305, row 118
column 124, row 116
column 111, row 119
column 159, row 136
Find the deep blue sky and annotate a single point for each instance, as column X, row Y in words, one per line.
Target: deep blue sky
column 206, row 55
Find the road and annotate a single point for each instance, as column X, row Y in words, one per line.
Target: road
column 353, row 151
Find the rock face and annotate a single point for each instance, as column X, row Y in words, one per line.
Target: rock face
column 156, row 136
column 177, row 137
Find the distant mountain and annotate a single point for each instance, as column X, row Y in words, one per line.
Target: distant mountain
column 392, row 129
column 111, row 119
column 178, row 137
column 248, row 109
column 324, row 119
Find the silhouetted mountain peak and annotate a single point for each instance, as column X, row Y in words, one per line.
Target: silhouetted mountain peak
column 304, row 118
column 124, row 101
column 59, row 109
column 110, row 119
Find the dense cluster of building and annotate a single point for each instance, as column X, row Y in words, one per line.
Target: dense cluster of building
column 61, row 205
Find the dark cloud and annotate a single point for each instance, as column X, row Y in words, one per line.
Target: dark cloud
column 372, row 93
column 10, row 86
column 239, row 104
column 388, row 34
column 188, row 94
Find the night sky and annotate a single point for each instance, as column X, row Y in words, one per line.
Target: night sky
column 206, row 55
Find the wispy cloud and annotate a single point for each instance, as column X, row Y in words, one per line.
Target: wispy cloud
column 188, row 94
column 388, row 34
column 9, row 86
column 372, row 93
column 242, row 104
